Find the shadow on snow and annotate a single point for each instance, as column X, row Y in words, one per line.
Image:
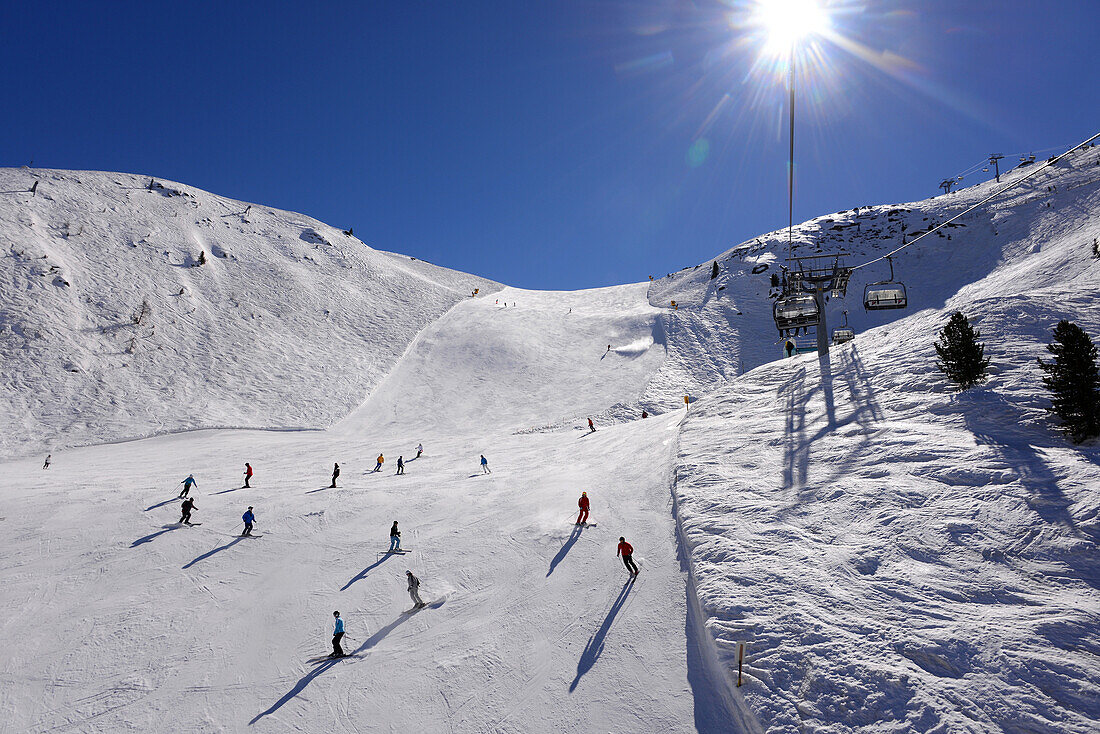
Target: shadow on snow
column 570, row 541
column 209, row 553
column 595, row 644
column 328, row 663
column 363, row 574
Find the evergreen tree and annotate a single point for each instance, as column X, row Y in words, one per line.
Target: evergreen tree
column 714, row 270
column 1073, row 381
column 962, row 357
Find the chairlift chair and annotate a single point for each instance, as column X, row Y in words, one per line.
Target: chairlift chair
column 843, row 334
column 885, row 294
column 794, row 311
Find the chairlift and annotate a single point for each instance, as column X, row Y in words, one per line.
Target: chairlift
column 843, row 334
column 794, row 311
column 885, row 294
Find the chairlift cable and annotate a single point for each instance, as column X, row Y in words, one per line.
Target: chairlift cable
column 971, row 208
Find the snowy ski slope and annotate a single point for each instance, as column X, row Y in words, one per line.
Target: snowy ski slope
column 894, row 556
column 290, row 323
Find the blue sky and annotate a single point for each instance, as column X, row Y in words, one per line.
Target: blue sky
column 559, row 144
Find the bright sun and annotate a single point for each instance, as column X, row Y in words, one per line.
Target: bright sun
column 786, row 22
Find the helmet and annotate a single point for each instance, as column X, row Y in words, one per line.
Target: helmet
column 250, row 507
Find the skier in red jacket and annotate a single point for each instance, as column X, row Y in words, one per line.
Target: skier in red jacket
column 247, row 474
column 582, row 516
column 626, row 550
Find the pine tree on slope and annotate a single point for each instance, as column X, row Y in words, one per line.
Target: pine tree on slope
column 1074, row 381
column 962, row 357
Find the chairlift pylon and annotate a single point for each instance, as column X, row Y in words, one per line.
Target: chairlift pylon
column 885, row 294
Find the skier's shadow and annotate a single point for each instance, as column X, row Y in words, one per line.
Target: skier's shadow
column 161, row 504
column 595, row 643
column 320, row 489
column 209, row 553
column 326, row 664
column 147, row 538
column 573, row 538
column 363, row 574
column 227, row 491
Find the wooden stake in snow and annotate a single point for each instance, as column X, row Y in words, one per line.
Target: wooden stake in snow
column 740, row 657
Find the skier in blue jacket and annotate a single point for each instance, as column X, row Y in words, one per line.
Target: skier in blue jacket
column 337, row 633
column 187, row 484
column 248, row 518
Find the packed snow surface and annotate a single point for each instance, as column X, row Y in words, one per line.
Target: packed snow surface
column 891, row 556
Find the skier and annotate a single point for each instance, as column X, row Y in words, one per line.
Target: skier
column 247, row 474
column 645, row 414
column 248, row 518
column 419, row 450
column 400, row 465
column 582, row 516
column 788, row 348
column 395, row 538
column 335, row 474
column 381, row 459
column 414, row 591
column 591, row 426
column 47, row 464
column 337, row 633
column 186, row 506
column 608, row 348
column 485, row 465
column 626, row 550
column 187, row 483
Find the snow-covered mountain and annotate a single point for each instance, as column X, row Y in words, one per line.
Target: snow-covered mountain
column 110, row 328
column 893, row 556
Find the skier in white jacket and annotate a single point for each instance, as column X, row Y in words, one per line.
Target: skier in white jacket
column 414, row 590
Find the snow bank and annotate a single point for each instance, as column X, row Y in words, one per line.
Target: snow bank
column 896, row 556
column 110, row 328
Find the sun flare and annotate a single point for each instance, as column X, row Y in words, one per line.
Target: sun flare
column 787, row 22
